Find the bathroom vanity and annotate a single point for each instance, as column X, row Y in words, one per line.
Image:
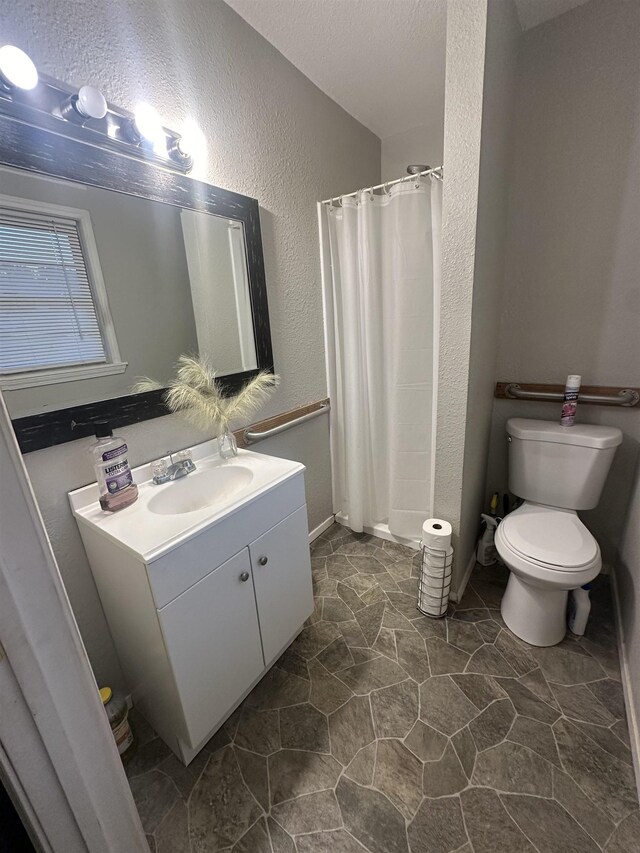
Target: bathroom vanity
column 204, row 582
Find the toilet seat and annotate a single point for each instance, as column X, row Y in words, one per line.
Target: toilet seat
column 553, row 538
column 548, row 547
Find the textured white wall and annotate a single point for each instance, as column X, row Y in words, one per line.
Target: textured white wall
column 466, row 37
column 271, row 135
column 571, row 299
column 482, row 40
column 501, row 57
column 422, row 144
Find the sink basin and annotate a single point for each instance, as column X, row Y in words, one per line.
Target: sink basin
column 164, row 516
column 200, row 489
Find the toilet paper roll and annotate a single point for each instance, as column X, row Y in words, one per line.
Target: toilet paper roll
column 436, row 533
column 433, row 585
column 436, row 558
column 434, row 569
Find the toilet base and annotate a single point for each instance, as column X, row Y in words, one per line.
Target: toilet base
column 536, row 615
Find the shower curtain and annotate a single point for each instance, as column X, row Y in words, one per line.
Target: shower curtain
column 381, row 296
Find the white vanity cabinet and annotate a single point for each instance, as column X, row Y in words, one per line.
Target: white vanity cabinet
column 198, row 621
column 279, row 559
column 212, row 638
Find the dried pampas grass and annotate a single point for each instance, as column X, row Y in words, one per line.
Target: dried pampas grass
column 197, row 396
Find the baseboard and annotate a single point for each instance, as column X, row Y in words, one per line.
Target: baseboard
column 317, row 531
column 457, row 594
column 627, row 683
column 382, row 532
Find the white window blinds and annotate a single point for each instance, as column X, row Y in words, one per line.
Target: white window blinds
column 48, row 316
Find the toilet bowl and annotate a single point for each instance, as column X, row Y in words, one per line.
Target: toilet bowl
column 549, row 552
column 556, row 471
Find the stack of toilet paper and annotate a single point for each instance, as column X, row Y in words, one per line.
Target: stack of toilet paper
column 434, row 583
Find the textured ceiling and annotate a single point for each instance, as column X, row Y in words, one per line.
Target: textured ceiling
column 383, row 61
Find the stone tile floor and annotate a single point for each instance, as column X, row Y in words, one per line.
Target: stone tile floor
column 381, row 730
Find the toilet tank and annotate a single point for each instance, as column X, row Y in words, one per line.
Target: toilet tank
column 560, row 466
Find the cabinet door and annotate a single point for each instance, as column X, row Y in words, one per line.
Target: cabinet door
column 282, row 580
column 212, row 639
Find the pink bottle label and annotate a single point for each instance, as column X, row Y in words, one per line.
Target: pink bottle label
column 569, row 408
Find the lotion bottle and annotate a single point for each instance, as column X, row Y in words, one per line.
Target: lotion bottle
column 115, row 481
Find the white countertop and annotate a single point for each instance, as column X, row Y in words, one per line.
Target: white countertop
column 150, row 535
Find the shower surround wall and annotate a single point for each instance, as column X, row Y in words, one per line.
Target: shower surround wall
column 571, row 297
column 272, row 135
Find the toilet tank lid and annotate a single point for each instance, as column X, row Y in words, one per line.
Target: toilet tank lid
column 584, row 435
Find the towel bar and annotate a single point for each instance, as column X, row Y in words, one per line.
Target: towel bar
column 252, row 434
column 599, row 395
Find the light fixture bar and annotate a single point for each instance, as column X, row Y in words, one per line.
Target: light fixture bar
column 84, row 115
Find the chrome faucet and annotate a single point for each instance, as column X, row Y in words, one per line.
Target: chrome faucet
column 163, row 473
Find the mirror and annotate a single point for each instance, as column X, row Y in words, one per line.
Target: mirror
column 174, row 281
column 99, row 287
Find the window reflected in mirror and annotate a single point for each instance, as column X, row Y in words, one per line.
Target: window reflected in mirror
column 98, row 288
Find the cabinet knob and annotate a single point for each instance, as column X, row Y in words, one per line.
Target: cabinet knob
column 263, row 561
column 244, row 577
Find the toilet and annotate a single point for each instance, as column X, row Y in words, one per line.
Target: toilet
column 556, row 471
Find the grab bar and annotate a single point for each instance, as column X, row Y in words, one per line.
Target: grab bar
column 250, row 435
column 625, row 397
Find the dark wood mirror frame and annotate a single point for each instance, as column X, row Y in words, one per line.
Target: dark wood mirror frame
column 33, row 149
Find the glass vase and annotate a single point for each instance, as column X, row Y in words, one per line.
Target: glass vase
column 227, row 445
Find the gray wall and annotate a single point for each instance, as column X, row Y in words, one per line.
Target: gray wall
column 503, row 40
column 423, row 144
column 627, row 573
column 271, row 135
column 571, row 298
column 482, row 42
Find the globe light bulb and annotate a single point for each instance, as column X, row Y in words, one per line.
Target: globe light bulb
column 148, row 123
column 193, row 142
column 17, row 70
column 91, row 103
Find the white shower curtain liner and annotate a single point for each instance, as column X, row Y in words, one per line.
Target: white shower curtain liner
column 381, row 295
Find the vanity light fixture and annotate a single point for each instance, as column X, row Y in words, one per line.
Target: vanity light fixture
column 146, row 125
column 192, row 144
column 84, row 115
column 17, row 69
column 88, row 103
column 178, row 151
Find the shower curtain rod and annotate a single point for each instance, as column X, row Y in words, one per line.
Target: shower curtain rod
column 437, row 172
